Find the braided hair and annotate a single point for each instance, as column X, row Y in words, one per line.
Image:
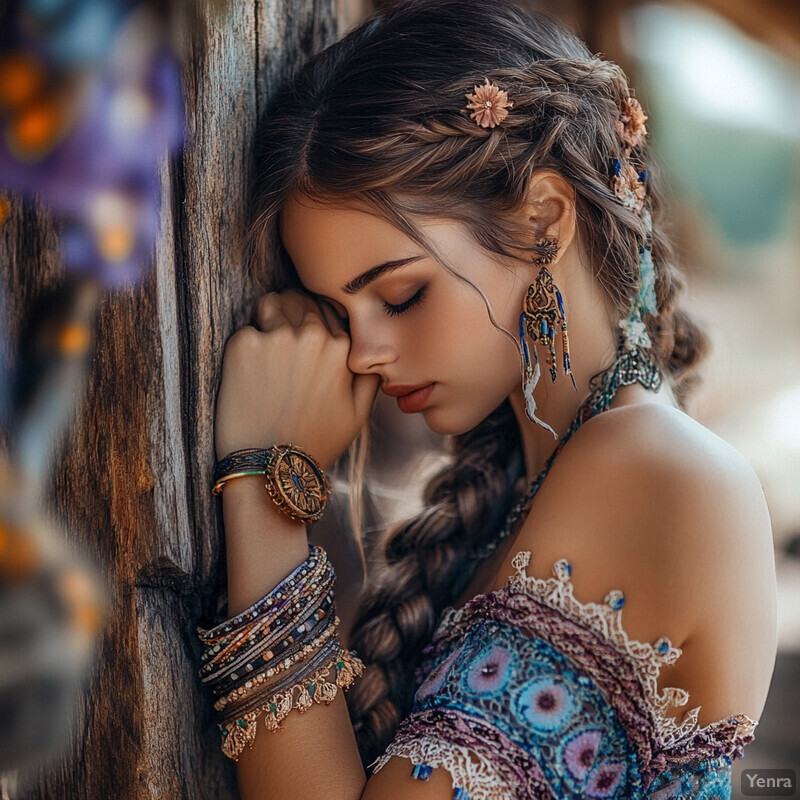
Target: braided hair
column 379, row 116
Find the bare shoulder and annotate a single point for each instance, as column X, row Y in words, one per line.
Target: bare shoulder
column 692, row 488
column 645, row 499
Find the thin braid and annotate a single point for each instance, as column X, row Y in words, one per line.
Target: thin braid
column 425, row 569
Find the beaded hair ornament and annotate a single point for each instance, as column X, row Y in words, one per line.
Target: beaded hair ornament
column 629, row 185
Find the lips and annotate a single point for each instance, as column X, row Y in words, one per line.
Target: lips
column 416, row 400
column 399, row 391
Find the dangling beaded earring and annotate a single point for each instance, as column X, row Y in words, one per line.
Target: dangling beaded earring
column 543, row 310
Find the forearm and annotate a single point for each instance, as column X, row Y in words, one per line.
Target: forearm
column 263, row 545
column 314, row 754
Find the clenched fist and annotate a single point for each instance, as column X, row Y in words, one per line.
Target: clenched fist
column 288, row 381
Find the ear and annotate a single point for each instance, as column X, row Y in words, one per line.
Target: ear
column 550, row 209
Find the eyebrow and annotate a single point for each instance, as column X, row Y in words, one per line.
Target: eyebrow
column 357, row 284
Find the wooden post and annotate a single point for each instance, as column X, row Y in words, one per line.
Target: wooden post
column 132, row 481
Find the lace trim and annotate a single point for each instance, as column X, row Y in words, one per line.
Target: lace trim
column 606, row 620
column 467, row 770
column 467, row 748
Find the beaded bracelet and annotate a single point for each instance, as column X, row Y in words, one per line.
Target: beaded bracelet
column 238, row 672
column 281, row 654
column 262, row 637
column 312, row 687
column 269, row 646
column 273, row 626
column 316, row 563
column 240, row 693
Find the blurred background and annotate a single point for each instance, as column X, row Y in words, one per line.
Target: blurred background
column 123, row 175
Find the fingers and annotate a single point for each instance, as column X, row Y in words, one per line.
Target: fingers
column 333, row 320
column 274, row 309
column 296, row 308
column 365, row 390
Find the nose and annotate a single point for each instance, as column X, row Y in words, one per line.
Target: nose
column 370, row 348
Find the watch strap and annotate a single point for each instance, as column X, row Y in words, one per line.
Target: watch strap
column 293, row 478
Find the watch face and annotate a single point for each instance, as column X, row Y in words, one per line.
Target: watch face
column 299, row 483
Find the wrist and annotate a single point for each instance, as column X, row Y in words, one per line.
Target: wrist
column 262, row 543
column 293, row 478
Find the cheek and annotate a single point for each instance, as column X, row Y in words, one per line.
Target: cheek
column 461, row 324
column 479, row 368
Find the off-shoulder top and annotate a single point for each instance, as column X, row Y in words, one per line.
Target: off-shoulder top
column 526, row 693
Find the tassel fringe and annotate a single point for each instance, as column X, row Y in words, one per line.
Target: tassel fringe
column 241, row 733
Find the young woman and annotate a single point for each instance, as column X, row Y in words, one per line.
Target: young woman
column 455, row 206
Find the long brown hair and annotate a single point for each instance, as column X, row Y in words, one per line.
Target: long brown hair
column 379, row 116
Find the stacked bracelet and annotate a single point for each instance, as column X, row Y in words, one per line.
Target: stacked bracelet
column 281, row 654
column 294, row 480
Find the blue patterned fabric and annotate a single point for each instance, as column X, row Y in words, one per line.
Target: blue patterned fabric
column 526, row 693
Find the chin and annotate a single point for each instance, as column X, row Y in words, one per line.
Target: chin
column 445, row 424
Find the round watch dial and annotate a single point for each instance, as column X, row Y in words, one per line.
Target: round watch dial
column 299, row 484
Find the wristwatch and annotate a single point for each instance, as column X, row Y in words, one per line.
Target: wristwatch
column 293, row 478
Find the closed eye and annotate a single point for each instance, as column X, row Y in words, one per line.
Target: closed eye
column 393, row 311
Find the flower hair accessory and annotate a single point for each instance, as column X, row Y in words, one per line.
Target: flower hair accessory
column 627, row 182
column 630, row 125
column 488, row 105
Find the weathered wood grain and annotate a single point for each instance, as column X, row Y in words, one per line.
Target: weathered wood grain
column 131, row 481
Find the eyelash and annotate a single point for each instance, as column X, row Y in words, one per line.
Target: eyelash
column 393, row 311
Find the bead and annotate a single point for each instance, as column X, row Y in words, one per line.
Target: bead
column 663, row 645
column 562, row 569
column 421, row 772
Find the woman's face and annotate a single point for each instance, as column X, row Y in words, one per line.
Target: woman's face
column 411, row 321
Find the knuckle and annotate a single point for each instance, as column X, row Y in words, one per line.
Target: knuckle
column 244, row 337
column 312, row 320
column 265, row 303
column 314, row 330
column 282, row 335
column 267, row 298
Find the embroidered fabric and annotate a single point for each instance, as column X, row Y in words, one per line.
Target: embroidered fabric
column 528, row 693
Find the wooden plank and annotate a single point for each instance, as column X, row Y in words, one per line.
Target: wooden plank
column 132, row 480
